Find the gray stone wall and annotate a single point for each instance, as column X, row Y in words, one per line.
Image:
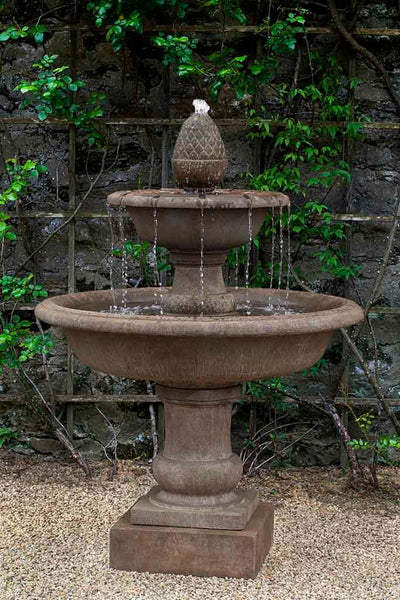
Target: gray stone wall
column 133, row 82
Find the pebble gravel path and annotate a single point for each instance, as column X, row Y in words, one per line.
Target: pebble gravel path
column 330, row 544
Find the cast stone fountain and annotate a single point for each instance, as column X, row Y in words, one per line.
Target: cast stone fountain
column 199, row 348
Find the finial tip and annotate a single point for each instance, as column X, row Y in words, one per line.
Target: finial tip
column 201, row 106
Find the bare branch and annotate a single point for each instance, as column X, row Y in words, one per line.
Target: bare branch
column 73, row 215
column 371, row 58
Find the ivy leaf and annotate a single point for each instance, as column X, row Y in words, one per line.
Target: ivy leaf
column 38, row 37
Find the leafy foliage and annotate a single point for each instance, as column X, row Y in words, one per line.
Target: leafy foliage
column 380, row 443
column 20, row 288
column 176, row 49
column 18, row 339
column 226, row 9
column 20, row 175
column 304, row 157
column 6, row 435
column 143, row 253
column 51, row 93
column 122, row 16
column 14, row 32
column 18, row 342
column 242, row 73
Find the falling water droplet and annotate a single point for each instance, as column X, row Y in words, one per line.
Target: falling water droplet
column 280, row 247
column 288, row 258
column 124, row 261
column 202, row 237
column 271, row 282
column 247, row 274
column 157, row 295
column 111, row 258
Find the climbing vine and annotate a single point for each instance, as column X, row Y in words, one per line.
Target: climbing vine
column 300, row 116
column 303, row 156
column 19, row 338
column 123, row 16
column 49, row 94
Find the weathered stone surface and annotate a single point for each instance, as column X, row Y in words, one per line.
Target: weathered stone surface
column 90, row 449
column 312, row 451
column 188, row 551
column 46, row 445
column 23, row 450
column 230, row 516
column 133, row 83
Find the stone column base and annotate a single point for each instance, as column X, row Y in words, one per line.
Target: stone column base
column 190, row 551
column 149, row 510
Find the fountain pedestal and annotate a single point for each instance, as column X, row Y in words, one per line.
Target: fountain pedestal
column 197, row 471
column 195, row 520
column 191, row 551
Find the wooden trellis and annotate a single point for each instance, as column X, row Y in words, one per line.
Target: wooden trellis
column 165, row 123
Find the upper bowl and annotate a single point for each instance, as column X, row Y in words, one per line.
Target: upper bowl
column 174, row 216
column 199, row 352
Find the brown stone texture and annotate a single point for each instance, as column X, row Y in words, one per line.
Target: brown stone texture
column 199, row 156
column 199, row 352
column 189, row 551
column 228, row 516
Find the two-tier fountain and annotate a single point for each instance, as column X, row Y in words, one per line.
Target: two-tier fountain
column 199, row 341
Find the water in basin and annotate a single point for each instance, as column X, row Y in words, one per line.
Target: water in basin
column 241, row 309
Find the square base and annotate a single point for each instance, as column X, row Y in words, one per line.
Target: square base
column 189, row 551
column 147, row 511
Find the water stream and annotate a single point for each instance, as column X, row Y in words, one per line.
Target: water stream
column 288, row 256
column 245, row 307
column 271, row 281
column 157, row 280
column 247, row 273
column 280, row 247
column 111, row 258
column 124, row 258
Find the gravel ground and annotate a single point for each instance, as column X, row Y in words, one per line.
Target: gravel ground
column 329, row 543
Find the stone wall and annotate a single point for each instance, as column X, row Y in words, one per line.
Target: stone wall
column 134, row 82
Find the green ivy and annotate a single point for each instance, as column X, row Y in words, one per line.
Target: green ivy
column 242, row 73
column 306, row 157
column 18, row 339
column 143, row 253
column 14, row 32
column 52, row 94
column 6, row 435
column 226, row 9
column 20, row 175
column 380, row 444
column 177, row 50
column 18, row 343
column 122, row 16
column 20, row 288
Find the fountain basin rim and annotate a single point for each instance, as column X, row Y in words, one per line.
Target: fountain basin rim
column 70, row 312
column 178, row 198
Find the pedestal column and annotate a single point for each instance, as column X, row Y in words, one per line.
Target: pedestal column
column 195, row 522
column 197, row 472
column 198, row 288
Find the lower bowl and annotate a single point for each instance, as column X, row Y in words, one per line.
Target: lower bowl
column 195, row 351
